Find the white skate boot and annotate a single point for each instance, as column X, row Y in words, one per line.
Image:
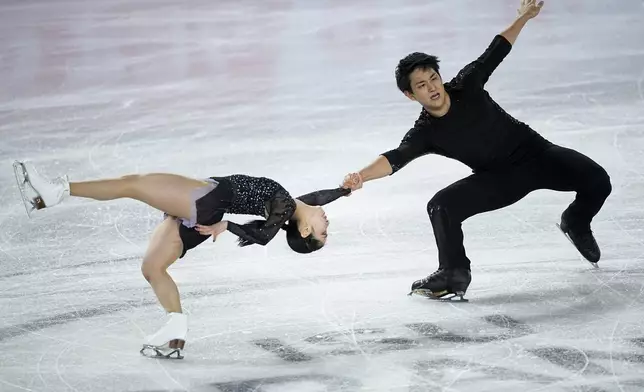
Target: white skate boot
column 170, row 339
column 37, row 191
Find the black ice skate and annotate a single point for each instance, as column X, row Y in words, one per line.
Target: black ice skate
column 584, row 241
column 444, row 285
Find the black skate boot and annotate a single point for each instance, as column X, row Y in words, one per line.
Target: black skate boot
column 444, row 284
column 583, row 240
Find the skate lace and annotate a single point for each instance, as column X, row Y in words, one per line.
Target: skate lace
column 427, row 278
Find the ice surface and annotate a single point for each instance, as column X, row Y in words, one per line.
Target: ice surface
column 303, row 92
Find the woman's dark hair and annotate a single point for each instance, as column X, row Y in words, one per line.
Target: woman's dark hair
column 298, row 243
column 294, row 239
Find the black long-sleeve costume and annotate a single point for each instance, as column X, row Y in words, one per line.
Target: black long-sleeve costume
column 265, row 197
column 508, row 158
column 476, row 131
column 248, row 195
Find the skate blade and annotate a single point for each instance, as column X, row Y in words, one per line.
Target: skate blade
column 595, row 265
column 172, row 350
column 445, row 296
column 31, row 202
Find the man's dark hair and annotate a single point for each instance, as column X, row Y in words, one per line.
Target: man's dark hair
column 409, row 63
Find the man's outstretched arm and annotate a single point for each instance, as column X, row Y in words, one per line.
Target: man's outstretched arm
column 377, row 169
column 528, row 10
column 477, row 73
column 411, row 147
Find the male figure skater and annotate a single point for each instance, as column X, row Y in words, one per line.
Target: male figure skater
column 460, row 120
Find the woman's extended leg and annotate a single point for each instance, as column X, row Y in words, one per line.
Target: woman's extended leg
column 169, row 193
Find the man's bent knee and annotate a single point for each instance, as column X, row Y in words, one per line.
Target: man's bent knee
column 439, row 203
column 598, row 181
column 437, row 212
column 446, row 208
column 604, row 186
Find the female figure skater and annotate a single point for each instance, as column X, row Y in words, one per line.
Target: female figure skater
column 193, row 211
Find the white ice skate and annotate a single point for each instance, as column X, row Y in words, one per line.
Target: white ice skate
column 37, row 191
column 169, row 340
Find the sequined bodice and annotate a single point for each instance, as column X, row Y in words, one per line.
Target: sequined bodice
column 251, row 193
column 247, row 195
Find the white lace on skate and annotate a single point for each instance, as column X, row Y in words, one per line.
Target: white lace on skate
column 37, row 191
column 170, row 339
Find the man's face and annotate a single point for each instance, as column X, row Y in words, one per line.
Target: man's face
column 428, row 90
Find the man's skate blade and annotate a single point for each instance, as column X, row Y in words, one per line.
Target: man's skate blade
column 447, row 297
column 593, row 264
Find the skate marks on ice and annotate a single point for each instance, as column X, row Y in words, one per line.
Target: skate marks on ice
column 447, row 371
column 593, row 366
column 638, row 342
column 250, row 285
column 334, row 341
column 436, row 373
column 303, row 280
column 514, row 329
column 379, row 340
column 298, row 382
column 582, row 361
column 434, row 370
column 414, row 340
column 586, row 370
column 282, row 350
column 292, row 383
column 583, row 297
column 303, row 382
column 51, row 269
column 13, row 331
column 64, row 318
column 366, row 341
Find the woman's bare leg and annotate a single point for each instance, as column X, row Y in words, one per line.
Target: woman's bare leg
column 164, row 248
column 169, row 193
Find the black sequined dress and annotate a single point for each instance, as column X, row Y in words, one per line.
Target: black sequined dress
column 248, row 195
